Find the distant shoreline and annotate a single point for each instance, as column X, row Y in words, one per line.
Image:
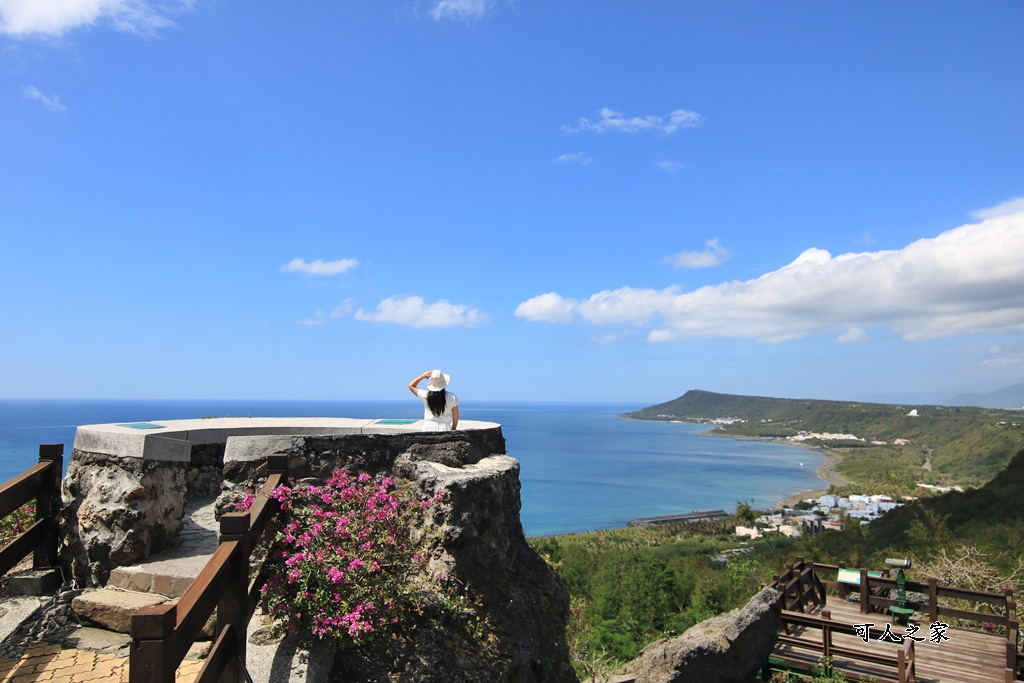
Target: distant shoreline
column 827, row 472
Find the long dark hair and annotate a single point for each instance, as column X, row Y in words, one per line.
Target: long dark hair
column 437, row 401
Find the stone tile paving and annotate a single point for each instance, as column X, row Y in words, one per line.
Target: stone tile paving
column 49, row 663
column 45, row 663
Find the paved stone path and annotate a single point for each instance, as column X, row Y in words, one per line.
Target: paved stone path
column 45, row 663
column 50, row 663
column 171, row 571
column 168, row 573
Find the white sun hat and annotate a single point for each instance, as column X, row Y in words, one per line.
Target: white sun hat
column 438, row 381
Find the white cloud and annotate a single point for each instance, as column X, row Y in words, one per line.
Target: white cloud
column 714, row 255
column 854, row 335
column 413, row 311
column 319, row 267
column 56, row 17
column 1004, row 209
column 575, row 158
column 51, row 102
column 626, row 305
column 1009, row 354
column 965, row 281
column 612, row 121
column 460, row 10
column 547, row 308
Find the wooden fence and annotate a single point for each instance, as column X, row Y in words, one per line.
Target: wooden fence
column 40, row 482
column 803, row 584
column 824, row 649
column 162, row 635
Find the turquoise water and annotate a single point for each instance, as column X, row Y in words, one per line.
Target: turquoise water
column 582, row 467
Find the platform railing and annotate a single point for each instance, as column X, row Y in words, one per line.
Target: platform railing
column 799, row 588
column 902, row 660
column 162, row 635
column 41, row 483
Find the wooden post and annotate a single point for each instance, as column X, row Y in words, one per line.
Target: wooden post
column 48, row 506
column 826, row 634
column 840, row 586
column 933, row 598
column 277, row 463
column 233, row 607
column 865, row 594
column 152, row 653
column 1012, row 627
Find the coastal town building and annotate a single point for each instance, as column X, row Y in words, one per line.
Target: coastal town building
column 825, row 512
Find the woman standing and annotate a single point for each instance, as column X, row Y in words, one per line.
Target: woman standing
column 440, row 406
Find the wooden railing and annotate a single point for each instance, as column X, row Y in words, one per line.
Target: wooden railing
column 42, row 483
column 875, row 592
column 800, row 583
column 824, row 649
column 799, row 587
column 1015, row 658
column 162, row 635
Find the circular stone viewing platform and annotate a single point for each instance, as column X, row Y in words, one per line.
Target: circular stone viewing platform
column 172, row 440
column 127, row 483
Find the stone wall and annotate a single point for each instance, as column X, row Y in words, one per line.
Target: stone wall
column 206, row 470
column 121, row 509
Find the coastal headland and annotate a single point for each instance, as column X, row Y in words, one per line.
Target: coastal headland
column 890, row 448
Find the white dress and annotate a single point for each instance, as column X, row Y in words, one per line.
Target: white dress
column 443, row 422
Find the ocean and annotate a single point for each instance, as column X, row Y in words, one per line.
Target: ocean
column 582, row 466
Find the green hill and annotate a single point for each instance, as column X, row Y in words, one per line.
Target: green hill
column 979, row 516
column 948, row 444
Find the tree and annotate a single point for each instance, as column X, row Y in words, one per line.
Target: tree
column 745, row 512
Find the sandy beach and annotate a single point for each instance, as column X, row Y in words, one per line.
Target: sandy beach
column 827, row 472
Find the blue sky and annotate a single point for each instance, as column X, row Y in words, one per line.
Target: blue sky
column 549, row 200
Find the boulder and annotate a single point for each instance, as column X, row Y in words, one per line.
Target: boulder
column 725, row 649
column 118, row 511
column 113, row 609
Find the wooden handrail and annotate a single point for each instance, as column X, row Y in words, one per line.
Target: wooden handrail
column 162, row 635
column 22, row 488
column 903, row 661
column 874, row 591
column 874, row 595
column 219, row 658
column 40, row 482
